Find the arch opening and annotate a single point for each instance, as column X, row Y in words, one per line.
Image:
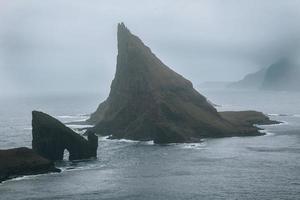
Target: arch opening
column 66, row 155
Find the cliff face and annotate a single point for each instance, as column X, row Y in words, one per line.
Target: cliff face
column 51, row 138
column 149, row 101
column 23, row 161
column 283, row 75
column 250, row 81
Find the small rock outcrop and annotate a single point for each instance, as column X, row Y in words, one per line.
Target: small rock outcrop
column 23, row 161
column 50, row 138
column 149, row 101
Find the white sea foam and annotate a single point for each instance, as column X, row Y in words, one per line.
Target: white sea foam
column 80, row 120
column 192, row 145
column 151, row 142
column 266, row 132
column 199, row 145
column 26, row 177
column 283, row 115
column 67, row 116
column 126, row 140
column 73, row 116
column 62, row 168
column 77, row 168
column 107, row 138
column 282, row 123
column 103, row 138
column 21, row 178
column 273, row 114
column 78, row 126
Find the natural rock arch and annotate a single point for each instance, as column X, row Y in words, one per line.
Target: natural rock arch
column 51, row 138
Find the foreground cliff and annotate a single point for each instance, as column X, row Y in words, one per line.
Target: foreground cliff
column 23, row 161
column 50, row 138
column 149, row 101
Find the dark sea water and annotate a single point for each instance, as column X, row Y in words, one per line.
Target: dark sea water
column 263, row 167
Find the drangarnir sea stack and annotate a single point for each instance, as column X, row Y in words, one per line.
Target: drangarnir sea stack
column 149, row 101
column 50, row 138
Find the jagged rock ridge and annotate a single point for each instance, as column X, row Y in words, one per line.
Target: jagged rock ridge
column 50, row 138
column 149, row 101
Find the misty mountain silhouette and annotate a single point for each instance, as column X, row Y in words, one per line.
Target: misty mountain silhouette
column 283, row 75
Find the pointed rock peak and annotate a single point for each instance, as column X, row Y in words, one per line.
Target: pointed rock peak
column 123, row 33
column 150, row 101
column 126, row 39
column 122, row 28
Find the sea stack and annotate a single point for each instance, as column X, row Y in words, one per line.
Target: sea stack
column 50, row 138
column 149, row 101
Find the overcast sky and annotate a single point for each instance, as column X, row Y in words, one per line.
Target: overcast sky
column 70, row 45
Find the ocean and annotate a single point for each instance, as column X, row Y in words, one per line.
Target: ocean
column 261, row 167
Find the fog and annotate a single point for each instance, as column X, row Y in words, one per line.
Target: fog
column 68, row 46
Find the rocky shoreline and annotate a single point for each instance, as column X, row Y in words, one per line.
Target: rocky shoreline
column 50, row 139
column 23, row 161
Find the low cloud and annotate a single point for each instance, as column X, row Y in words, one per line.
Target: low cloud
column 65, row 45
